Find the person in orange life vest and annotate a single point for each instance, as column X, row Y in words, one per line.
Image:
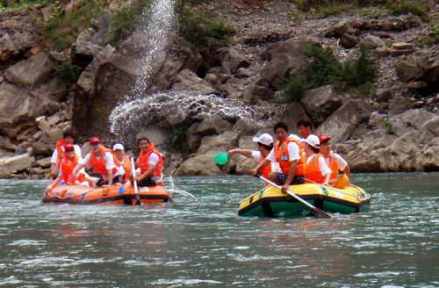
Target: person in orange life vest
column 122, row 162
column 304, row 128
column 286, row 154
column 66, row 167
column 58, row 153
column 336, row 163
column 100, row 162
column 150, row 163
column 265, row 145
column 316, row 169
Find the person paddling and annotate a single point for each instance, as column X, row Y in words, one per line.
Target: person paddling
column 340, row 171
column 100, row 162
column 150, row 163
column 265, row 145
column 67, row 164
column 122, row 162
column 316, row 169
column 287, row 154
column 58, row 153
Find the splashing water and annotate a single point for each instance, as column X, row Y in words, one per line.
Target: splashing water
column 175, row 106
column 161, row 20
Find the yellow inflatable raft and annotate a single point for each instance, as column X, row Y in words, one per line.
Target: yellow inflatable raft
column 272, row 202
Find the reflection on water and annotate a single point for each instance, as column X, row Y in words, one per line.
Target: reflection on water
column 205, row 243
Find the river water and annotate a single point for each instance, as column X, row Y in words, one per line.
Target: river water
column 205, row 243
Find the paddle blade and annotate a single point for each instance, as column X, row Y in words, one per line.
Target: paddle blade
column 321, row 214
column 221, row 159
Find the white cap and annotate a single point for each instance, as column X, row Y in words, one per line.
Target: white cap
column 118, row 147
column 264, row 139
column 313, row 141
column 295, row 138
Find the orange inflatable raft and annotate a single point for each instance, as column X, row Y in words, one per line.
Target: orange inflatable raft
column 116, row 194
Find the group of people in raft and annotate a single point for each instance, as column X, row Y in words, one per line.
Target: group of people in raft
column 290, row 159
column 285, row 160
column 105, row 166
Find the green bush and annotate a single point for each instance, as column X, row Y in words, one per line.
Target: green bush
column 203, row 31
column 68, row 73
column 63, row 28
column 20, row 4
column 324, row 68
column 415, row 7
column 124, row 21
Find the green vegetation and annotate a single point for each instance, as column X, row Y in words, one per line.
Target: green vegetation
column 388, row 127
column 203, row 31
column 63, row 27
column 68, row 73
column 415, row 7
column 20, row 4
column 432, row 38
column 124, row 21
column 324, row 68
column 178, row 141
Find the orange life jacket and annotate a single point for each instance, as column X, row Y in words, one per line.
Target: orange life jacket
column 301, row 163
column 312, row 169
column 125, row 163
column 333, row 165
column 265, row 169
column 60, row 151
column 143, row 161
column 282, row 157
column 97, row 163
column 67, row 165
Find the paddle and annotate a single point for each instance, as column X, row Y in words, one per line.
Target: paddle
column 136, row 189
column 318, row 212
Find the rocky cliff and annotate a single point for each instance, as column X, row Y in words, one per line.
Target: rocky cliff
column 364, row 72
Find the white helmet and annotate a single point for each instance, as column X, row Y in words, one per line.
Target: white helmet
column 313, row 141
column 118, row 147
column 264, row 139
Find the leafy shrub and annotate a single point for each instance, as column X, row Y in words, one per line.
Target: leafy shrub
column 63, row 28
column 20, row 4
column 203, row 31
column 415, row 7
column 68, row 73
column 324, row 68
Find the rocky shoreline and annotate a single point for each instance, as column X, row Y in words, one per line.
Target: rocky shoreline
column 223, row 95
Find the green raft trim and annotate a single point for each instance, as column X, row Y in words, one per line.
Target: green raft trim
column 291, row 208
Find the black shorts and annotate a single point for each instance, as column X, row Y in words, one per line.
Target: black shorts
column 280, row 179
column 102, row 182
column 147, row 182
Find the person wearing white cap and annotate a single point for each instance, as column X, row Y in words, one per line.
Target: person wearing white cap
column 316, row 168
column 122, row 162
column 265, row 144
column 287, row 154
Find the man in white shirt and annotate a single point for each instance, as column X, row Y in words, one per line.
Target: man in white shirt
column 287, row 154
column 100, row 162
column 58, row 153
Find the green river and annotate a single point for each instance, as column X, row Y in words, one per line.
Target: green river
column 206, row 244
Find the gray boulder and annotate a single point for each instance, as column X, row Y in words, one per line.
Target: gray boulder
column 321, row 102
column 187, row 80
column 31, row 71
column 11, row 165
column 199, row 165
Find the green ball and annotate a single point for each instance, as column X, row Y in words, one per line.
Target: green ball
column 221, row 159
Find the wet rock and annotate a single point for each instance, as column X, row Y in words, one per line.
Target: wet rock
column 18, row 33
column 212, row 125
column 199, row 165
column 372, row 42
column 410, row 119
column 11, row 165
column 44, row 163
column 432, row 125
column 321, row 102
column 232, row 60
column 342, row 123
column 187, row 80
column 222, row 142
column 31, row 71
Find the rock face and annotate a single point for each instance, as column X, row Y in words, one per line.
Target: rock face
column 30, row 71
column 321, row 102
column 199, row 165
column 11, row 165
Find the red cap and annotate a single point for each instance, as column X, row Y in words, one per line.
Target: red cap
column 94, row 140
column 324, row 139
column 69, row 148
